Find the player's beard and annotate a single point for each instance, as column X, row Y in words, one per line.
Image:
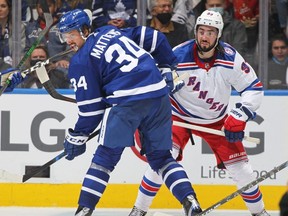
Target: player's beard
column 205, row 48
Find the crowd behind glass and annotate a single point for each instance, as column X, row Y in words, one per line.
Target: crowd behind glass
column 175, row 18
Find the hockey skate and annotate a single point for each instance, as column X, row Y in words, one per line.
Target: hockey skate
column 191, row 206
column 83, row 211
column 137, row 212
column 263, row 213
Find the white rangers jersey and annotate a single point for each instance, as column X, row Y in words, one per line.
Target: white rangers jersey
column 205, row 97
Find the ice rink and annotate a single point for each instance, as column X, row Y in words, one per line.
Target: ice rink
column 25, row 211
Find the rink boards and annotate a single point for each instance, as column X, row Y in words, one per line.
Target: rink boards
column 33, row 127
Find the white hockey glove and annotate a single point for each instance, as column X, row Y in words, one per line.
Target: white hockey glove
column 75, row 144
column 235, row 124
column 169, row 74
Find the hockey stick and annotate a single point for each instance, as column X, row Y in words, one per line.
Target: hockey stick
column 46, row 82
column 43, row 77
column 181, row 77
column 44, row 63
column 243, row 189
column 238, row 192
column 49, row 22
column 52, row 161
column 212, row 131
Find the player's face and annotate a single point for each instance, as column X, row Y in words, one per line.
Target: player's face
column 73, row 39
column 206, row 37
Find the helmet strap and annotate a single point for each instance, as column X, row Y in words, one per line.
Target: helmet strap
column 82, row 30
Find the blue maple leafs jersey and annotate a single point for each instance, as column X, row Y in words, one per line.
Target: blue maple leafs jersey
column 111, row 69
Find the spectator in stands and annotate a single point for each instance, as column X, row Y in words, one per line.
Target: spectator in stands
column 247, row 11
column 3, row 65
column 119, row 13
column 274, row 24
column 67, row 5
column 200, row 6
column 52, row 39
column 26, row 11
column 161, row 12
column 283, row 204
column 282, row 8
column 234, row 32
column 183, row 13
column 6, row 32
column 57, row 77
column 278, row 63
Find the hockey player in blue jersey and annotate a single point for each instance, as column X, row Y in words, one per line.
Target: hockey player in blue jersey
column 117, row 82
column 214, row 68
column 13, row 75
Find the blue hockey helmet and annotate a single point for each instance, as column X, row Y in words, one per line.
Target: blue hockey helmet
column 75, row 20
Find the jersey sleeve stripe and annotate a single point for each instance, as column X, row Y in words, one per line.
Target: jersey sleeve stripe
column 137, row 91
column 154, row 41
column 86, row 102
column 94, row 113
column 256, row 85
column 142, row 37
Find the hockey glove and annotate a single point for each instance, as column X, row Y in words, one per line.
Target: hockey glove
column 235, row 124
column 74, row 144
column 178, row 85
column 169, row 74
column 14, row 76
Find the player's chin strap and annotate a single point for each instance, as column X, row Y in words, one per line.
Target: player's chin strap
column 83, row 36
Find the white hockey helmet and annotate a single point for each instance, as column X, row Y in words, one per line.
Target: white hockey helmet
column 210, row 18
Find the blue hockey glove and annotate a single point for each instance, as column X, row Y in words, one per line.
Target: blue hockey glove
column 166, row 73
column 169, row 75
column 74, row 144
column 235, row 124
column 14, row 76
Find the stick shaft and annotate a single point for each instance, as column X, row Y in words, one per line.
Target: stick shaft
column 212, row 131
column 45, row 62
column 243, row 189
column 181, row 77
column 49, row 22
column 52, row 91
column 46, row 82
column 43, row 167
column 53, row 160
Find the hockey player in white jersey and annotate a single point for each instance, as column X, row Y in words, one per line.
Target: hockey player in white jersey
column 214, row 67
column 117, row 82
